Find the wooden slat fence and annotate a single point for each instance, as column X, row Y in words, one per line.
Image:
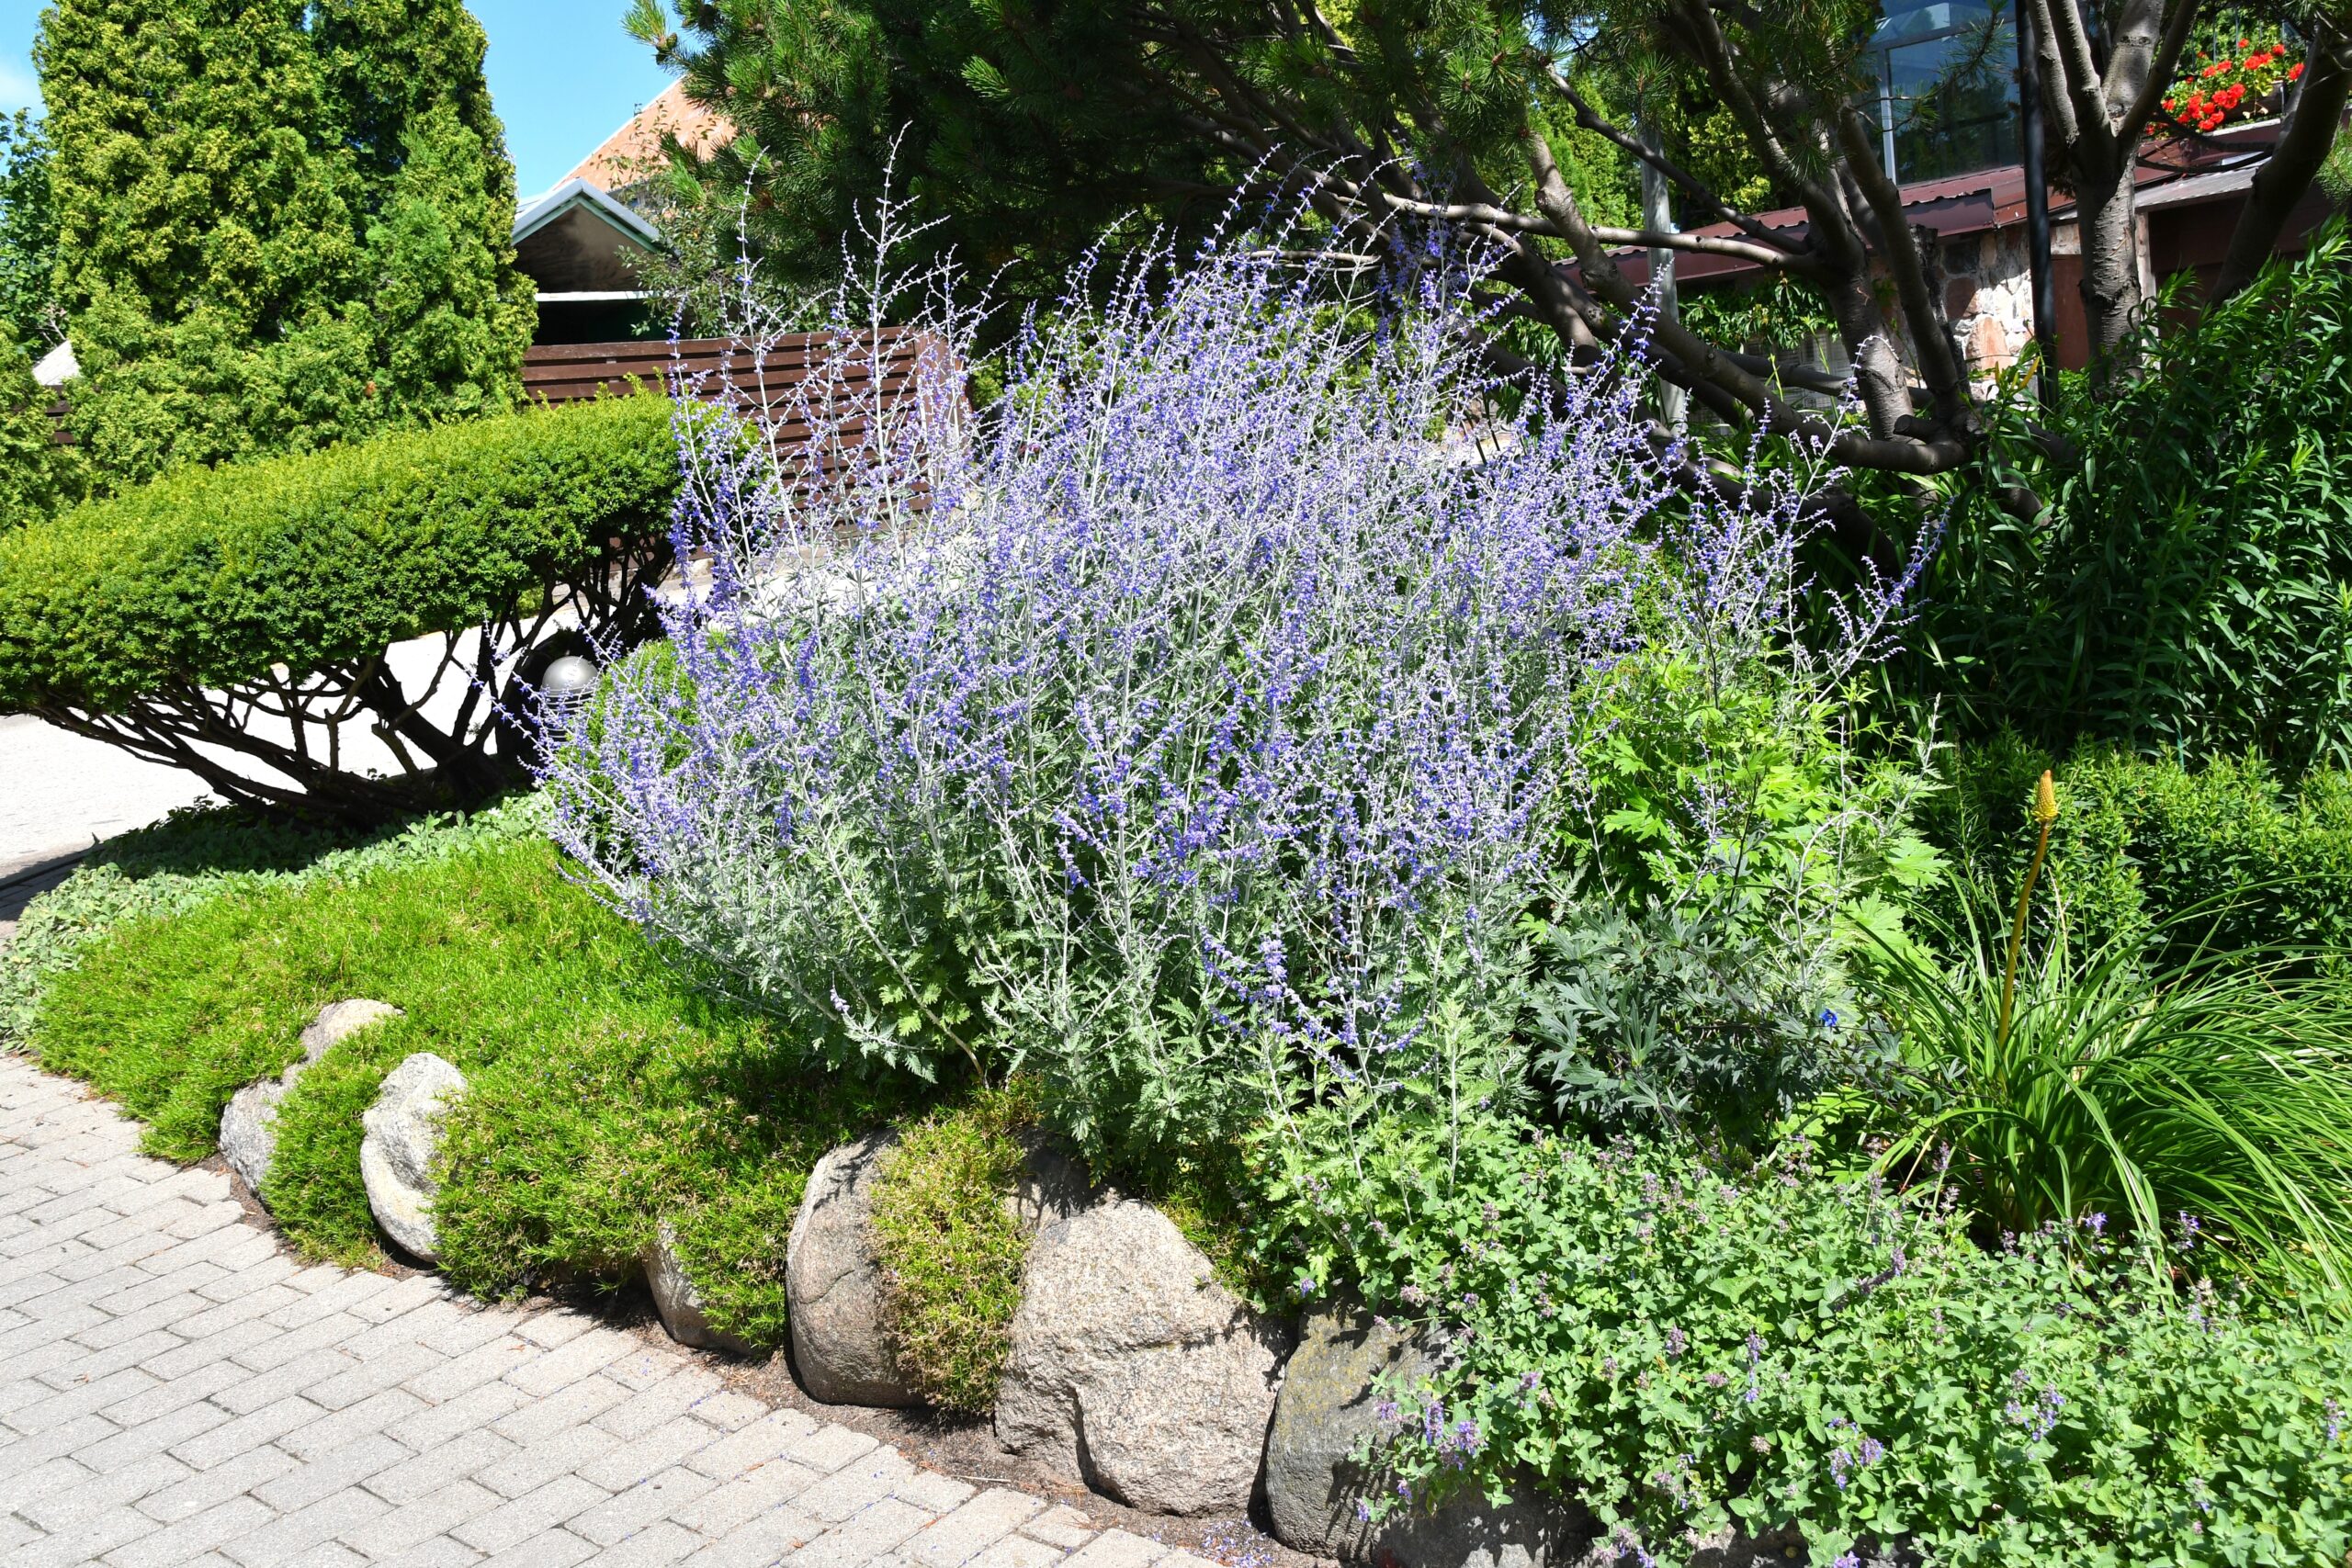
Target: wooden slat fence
column 572, row 372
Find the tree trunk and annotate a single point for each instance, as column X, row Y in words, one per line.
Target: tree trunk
column 2107, row 216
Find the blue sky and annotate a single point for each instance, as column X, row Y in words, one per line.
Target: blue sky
column 563, row 73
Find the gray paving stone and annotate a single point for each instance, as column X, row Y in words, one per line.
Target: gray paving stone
column 584, row 1356
column 534, row 1512
column 303, row 1532
column 440, row 1551
column 532, row 1419
column 248, row 1433
column 940, row 1493
column 625, row 1514
column 764, row 1492
column 555, row 1549
column 638, row 1458
column 1018, row 1551
column 476, row 1408
column 660, row 1543
column 1117, row 1549
column 176, row 1390
column 370, row 1416
column 541, row 1460
column 444, row 1464
column 1063, row 1527
column 769, row 1438
column 855, row 1486
column 876, row 1531
column 110, row 1490
column 322, row 1474
column 649, row 1408
column 973, row 1528
column 469, row 1370
column 208, row 1488
column 830, row 1447
column 194, row 1536
column 285, row 1380
column 437, row 1513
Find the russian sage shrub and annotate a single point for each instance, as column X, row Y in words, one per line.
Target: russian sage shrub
column 1186, row 728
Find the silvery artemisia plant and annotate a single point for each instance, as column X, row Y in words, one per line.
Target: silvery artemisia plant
column 1184, row 728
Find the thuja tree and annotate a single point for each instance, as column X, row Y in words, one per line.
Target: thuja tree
column 280, row 224
column 36, row 475
column 28, row 234
column 1034, row 126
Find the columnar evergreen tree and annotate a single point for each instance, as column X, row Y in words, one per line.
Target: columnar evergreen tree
column 28, row 234
column 282, row 223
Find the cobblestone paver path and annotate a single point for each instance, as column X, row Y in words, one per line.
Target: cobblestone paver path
column 174, row 1388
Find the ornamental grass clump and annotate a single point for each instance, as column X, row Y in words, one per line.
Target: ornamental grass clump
column 1182, row 723
column 2212, row 1091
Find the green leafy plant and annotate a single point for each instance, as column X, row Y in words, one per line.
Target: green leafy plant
column 2188, row 589
column 284, row 226
column 2266, row 860
column 2214, row 1092
column 1631, row 1330
column 1744, row 827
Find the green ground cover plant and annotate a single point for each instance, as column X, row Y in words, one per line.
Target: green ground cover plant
column 606, row 1094
column 202, row 854
column 1685, row 1349
column 951, row 1250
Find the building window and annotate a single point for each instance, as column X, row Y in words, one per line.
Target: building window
column 1947, row 97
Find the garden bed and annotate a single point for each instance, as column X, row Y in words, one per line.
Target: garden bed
column 1291, row 973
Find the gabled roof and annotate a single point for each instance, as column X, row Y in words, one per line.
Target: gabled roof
column 630, row 153
column 575, row 192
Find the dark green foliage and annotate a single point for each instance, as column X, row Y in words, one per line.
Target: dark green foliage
column 2190, row 587
column 28, row 309
column 2140, row 844
column 1690, row 1018
column 1035, row 132
column 281, row 224
column 1680, row 1350
column 210, row 578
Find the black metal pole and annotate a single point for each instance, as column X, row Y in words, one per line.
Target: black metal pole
column 2037, row 204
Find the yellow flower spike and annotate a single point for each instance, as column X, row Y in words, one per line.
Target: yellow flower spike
column 2045, row 811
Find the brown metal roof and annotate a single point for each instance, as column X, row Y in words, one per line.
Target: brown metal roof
column 2206, row 169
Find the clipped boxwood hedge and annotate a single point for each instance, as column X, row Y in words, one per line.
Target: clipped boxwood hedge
column 163, row 619
column 215, row 575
